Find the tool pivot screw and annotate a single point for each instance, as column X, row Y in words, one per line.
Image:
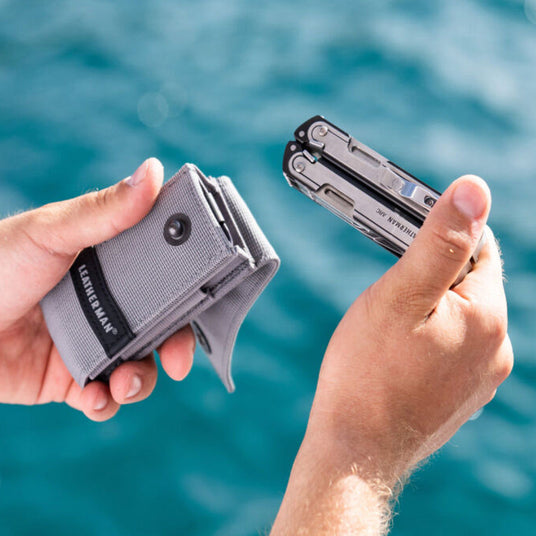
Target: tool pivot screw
column 430, row 201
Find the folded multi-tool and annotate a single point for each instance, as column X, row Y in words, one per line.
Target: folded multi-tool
column 359, row 185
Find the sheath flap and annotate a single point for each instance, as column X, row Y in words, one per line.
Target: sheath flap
column 217, row 327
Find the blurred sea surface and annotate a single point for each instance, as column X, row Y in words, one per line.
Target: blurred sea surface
column 90, row 89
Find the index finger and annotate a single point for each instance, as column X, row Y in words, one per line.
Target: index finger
column 177, row 353
column 484, row 283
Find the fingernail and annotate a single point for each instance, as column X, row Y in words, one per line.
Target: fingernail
column 138, row 175
column 101, row 403
column 135, row 387
column 470, row 199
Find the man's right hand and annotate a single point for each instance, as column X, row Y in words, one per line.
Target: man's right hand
column 409, row 363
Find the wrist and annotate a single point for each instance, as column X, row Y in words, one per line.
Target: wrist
column 342, row 457
column 366, row 440
column 335, row 490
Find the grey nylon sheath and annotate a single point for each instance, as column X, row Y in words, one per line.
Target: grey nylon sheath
column 210, row 280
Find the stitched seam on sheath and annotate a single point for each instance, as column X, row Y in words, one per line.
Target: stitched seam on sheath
column 242, row 267
column 173, row 327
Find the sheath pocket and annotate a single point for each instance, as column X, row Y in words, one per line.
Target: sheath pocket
column 124, row 297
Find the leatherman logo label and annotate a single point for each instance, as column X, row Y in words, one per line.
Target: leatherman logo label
column 404, row 228
column 98, row 305
column 100, row 313
column 399, row 225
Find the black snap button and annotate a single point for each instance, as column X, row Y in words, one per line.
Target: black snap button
column 177, row 229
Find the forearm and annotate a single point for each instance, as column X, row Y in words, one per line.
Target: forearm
column 335, row 490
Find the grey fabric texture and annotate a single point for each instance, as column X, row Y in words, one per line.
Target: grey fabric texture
column 222, row 320
column 161, row 288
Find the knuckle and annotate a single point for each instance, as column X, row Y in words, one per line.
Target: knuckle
column 499, row 364
column 493, row 326
column 103, row 202
column 453, row 245
column 487, row 320
column 498, row 327
column 503, row 366
column 487, row 331
column 102, row 199
column 505, row 369
column 40, row 228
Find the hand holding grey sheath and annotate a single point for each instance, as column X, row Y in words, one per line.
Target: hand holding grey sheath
column 198, row 258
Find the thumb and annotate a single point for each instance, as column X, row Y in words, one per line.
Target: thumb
column 69, row 226
column 38, row 247
column 442, row 248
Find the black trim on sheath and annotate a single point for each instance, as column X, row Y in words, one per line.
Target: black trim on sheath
column 99, row 306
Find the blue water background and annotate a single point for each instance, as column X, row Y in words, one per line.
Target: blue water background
column 90, row 89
